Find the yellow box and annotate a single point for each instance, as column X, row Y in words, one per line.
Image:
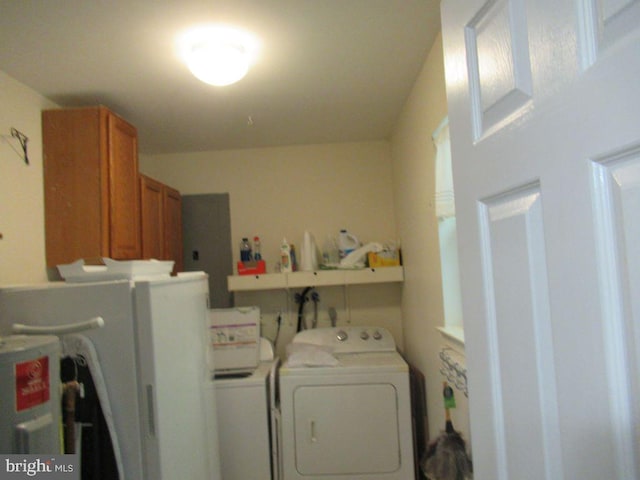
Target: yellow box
column 386, row 258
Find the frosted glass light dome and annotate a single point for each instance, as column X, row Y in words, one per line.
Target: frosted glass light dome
column 218, row 55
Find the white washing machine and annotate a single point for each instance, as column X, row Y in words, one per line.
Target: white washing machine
column 243, row 406
column 348, row 419
column 244, row 370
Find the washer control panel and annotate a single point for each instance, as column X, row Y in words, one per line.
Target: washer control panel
column 349, row 339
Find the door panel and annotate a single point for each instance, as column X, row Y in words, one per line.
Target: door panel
column 519, row 332
column 152, row 218
column 172, row 205
column 547, row 204
column 206, row 234
column 616, row 181
column 346, row 429
column 603, row 23
column 124, row 197
column 500, row 84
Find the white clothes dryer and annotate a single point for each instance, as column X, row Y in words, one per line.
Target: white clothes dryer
column 350, row 420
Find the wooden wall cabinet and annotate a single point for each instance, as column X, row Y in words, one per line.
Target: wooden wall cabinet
column 161, row 208
column 92, row 201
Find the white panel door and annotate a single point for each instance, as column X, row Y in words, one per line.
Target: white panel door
column 544, row 111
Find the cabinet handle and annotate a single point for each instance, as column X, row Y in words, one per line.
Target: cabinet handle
column 150, row 411
column 312, row 431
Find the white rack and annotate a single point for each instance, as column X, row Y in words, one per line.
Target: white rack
column 454, row 369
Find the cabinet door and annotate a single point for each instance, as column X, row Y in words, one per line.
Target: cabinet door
column 151, row 203
column 124, row 199
column 75, row 185
column 173, row 227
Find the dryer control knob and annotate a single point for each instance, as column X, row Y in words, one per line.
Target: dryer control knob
column 342, row 336
column 364, row 335
column 377, row 335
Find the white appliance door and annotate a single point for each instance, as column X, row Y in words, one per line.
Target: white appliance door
column 331, row 422
column 544, row 111
column 178, row 395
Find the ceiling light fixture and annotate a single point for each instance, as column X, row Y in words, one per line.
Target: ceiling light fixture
column 218, row 55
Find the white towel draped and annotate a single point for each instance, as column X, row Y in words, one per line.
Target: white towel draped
column 445, row 204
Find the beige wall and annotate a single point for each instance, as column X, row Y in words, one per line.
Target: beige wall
column 283, row 191
column 21, row 195
column 414, row 182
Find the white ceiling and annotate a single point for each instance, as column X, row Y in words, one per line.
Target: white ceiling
column 329, row 70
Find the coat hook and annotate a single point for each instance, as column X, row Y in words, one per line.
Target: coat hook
column 23, row 139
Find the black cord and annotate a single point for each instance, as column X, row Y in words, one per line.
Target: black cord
column 279, row 322
column 315, row 297
column 301, row 299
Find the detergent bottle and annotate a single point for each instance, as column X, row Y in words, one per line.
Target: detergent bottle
column 347, row 243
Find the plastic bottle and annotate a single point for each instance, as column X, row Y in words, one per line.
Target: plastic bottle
column 308, row 257
column 257, row 255
column 285, row 257
column 330, row 254
column 347, row 243
column 245, row 250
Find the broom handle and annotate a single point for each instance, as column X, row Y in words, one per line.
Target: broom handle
column 447, row 412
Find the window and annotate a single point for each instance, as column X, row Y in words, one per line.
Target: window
column 445, row 211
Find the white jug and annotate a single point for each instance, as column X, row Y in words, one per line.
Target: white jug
column 347, row 243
